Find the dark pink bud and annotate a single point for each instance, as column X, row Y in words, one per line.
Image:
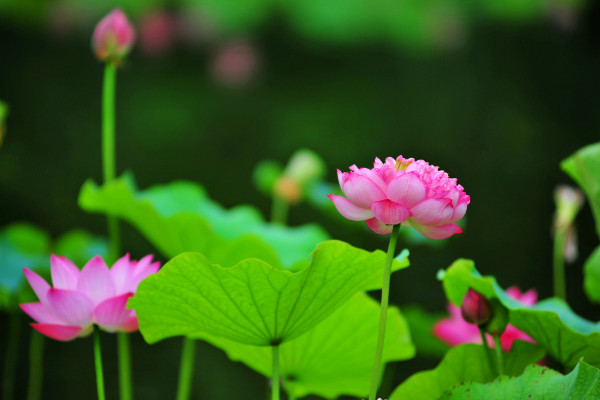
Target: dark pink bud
column 113, row 37
column 475, row 308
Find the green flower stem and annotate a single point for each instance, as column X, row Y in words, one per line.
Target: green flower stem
column 125, row 387
column 12, row 356
column 186, row 369
column 98, row 362
column 486, row 348
column 108, row 148
column 558, row 262
column 275, row 376
column 36, row 366
column 279, row 210
column 385, row 295
column 499, row 358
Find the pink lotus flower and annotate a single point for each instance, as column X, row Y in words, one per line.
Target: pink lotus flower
column 402, row 191
column 455, row 330
column 113, row 37
column 79, row 299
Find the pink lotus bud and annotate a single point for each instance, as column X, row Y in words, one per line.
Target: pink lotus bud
column 288, row 189
column 113, row 37
column 475, row 308
column 402, row 191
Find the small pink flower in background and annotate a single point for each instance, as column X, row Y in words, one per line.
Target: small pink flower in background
column 235, row 63
column 455, row 330
column 158, row 32
column 113, row 37
column 79, row 299
column 402, row 191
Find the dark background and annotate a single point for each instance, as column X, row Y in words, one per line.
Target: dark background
column 498, row 106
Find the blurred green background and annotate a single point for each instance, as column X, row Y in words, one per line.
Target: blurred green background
column 495, row 92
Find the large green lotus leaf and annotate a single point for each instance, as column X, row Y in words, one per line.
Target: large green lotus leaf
column 253, row 302
column 465, row 363
column 180, row 217
column 537, row 382
column 584, row 168
column 591, row 282
column 563, row 334
column 336, row 356
column 421, row 325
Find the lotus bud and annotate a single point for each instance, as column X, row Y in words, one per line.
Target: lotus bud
column 568, row 203
column 113, row 37
column 305, row 166
column 475, row 308
column 288, row 189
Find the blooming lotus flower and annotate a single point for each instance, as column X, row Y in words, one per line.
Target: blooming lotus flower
column 455, row 330
column 113, row 37
column 79, row 299
column 402, row 191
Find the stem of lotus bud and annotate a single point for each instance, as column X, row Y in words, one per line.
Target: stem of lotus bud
column 558, row 264
column 108, row 149
column 98, row 363
column 36, row 360
column 385, row 296
column 499, row 356
column 486, row 348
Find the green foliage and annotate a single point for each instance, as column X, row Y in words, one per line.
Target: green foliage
column 335, row 357
column 551, row 323
column 582, row 383
column 421, row 325
column 180, row 217
column 584, row 168
column 465, row 363
column 3, row 112
column 591, row 281
column 253, row 302
column 265, row 175
column 26, row 245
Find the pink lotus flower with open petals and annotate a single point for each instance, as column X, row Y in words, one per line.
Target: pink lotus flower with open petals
column 79, row 299
column 402, row 191
column 455, row 330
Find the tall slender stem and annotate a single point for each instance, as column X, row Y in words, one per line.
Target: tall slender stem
column 186, row 369
column 486, row 348
column 558, row 261
column 125, row 387
column 36, row 367
column 385, row 296
column 12, row 356
column 108, row 148
column 499, row 356
column 275, row 376
column 279, row 210
column 98, row 362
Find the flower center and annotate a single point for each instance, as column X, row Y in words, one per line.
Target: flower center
column 402, row 164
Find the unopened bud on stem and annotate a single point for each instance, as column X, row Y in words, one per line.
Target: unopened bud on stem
column 475, row 308
column 113, row 37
